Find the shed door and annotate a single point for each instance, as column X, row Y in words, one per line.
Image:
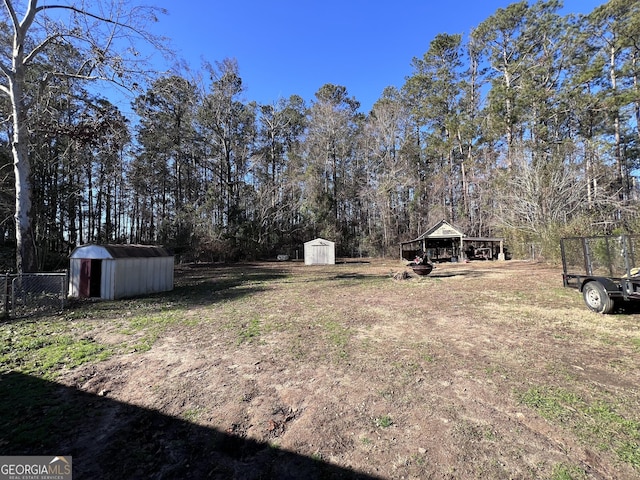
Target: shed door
column 96, row 275
column 90, row 273
column 321, row 254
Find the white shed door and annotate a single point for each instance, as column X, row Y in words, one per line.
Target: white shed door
column 321, row 254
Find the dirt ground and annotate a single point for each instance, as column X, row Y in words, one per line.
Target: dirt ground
column 280, row 370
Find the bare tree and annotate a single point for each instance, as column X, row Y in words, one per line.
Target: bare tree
column 104, row 33
column 543, row 195
column 389, row 173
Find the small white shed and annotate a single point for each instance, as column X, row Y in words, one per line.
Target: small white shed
column 319, row 252
column 118, row 271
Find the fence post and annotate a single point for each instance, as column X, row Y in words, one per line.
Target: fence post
column 5, row 300
column 13, row 294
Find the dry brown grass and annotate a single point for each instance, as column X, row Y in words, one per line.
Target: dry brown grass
column 479, row 370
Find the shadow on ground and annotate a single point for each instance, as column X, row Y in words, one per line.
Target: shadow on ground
column 112, row 440
column 198, row 284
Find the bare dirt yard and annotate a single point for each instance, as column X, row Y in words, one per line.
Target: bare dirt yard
column 281, row 370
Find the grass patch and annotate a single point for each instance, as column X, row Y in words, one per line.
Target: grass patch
column 192, row 414
column 250, row 331
column 384, row 422
column 552, row 404
column 45, row 348
column 148, row 328
column 562, row 471
column 597, row 423
column 615, row 432
column 338, row 337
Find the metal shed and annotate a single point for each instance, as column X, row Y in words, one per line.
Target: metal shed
column 118, row 271
column 319, row 252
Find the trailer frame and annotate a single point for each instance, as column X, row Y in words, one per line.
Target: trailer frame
column 603, row 269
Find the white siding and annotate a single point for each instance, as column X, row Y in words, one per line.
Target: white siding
column 107, row 279
column 319, row 252
column 128, row 277
column 74, row 277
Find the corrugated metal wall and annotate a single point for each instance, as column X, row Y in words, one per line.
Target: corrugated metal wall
column 74, row 277
column 127, row 277
column 138, row 276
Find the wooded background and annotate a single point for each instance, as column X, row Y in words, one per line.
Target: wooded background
column 526, row 127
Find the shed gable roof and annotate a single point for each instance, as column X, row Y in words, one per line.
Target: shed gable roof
column 320, row 242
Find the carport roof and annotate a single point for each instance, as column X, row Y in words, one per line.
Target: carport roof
column 445, row 230
column 442, row 229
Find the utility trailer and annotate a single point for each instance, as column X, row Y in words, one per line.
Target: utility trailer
column 603, row 268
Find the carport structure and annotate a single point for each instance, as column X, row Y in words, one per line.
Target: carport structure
column 446, row 243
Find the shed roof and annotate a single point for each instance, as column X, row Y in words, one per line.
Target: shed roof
column 320, row 242
column 119, row 251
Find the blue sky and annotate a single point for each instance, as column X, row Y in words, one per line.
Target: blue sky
column 286, row 47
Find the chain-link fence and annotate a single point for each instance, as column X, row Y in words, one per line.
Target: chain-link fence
column 33, row 292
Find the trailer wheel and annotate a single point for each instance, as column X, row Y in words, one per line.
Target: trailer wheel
column 596, row 298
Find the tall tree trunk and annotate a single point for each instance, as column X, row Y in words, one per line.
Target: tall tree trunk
column 25, row 245
column 636, row 87
column 616, row 125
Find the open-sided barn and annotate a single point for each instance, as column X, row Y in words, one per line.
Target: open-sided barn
column 445, row 242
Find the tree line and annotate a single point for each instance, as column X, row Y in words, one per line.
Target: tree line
column 525, row 128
